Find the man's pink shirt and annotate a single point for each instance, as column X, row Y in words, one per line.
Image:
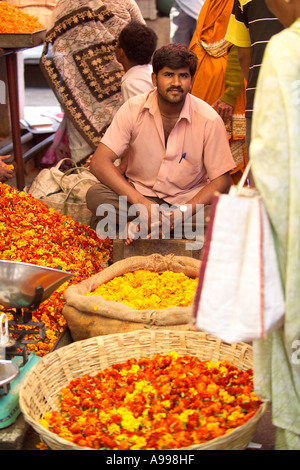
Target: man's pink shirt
column 197, row 149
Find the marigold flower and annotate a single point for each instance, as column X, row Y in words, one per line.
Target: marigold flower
column 30, row 232
column 14, row 20
column 144, row 289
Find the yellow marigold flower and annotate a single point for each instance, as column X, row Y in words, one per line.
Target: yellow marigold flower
column 166, row 403
column 143, row 289
column 226, row 397
column 42, row 446
column 114, row 429
column 134, row 369
column 213, row 426
column 174, row 355
column 235, row 415
column 144, row 387
column 129, row 422
column 44, row 422
column 138, row 442
column 184, row 416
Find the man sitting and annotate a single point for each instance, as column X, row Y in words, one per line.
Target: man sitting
column 178, row 150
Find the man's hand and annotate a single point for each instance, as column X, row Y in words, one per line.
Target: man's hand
column 5, row 172
column 224, row 110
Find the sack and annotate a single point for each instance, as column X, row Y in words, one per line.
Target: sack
column 89, row 316
column 75, row 182
column 239, row 296
column 66, row 191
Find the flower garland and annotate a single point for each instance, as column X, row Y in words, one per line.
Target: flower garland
column 14, row 20
column 166, row 402
column 144, row 289
column 30, row 232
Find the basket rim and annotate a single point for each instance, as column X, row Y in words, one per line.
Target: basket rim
column 49, row 436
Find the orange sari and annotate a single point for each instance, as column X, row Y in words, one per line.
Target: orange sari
column 212, row 50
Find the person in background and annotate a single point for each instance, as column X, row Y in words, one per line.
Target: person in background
column 135, row 47
column 250, row 28
column 80, row 65
column 219, row 79
column 275, row 164
column 6, row 172
column 183, row 19
column 175, row 142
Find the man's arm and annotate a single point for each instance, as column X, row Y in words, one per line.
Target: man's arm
column 244, row 56
column 239, row 35
column 234, row 80
column 221, row 184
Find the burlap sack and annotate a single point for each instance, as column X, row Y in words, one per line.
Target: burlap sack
column 89, row 316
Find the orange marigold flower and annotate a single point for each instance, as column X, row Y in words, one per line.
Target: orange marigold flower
column 13, row 20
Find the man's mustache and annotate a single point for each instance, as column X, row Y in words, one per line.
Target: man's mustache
column 175, row 89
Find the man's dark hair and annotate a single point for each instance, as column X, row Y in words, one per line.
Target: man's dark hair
column 174, row 56
column 138, row 42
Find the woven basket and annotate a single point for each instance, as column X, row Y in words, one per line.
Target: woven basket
column 42, row 385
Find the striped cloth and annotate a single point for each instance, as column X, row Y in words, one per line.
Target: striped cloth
column 252, row 25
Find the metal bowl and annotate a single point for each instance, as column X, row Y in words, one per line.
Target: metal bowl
column 19, row 283
column 8, row 372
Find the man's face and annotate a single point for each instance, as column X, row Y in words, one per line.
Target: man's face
column 173, row 85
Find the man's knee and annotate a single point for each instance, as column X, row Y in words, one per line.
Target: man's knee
column 95, row 196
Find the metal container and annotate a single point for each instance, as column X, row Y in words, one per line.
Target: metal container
column 19, row 283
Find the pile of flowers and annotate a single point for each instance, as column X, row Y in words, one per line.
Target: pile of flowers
column 14, row 20
column 144, row 289
column 164, row 402
column 30, row 232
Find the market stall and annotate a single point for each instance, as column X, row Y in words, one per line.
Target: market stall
column 18, row 31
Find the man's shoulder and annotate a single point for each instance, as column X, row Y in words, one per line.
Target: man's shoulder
column 140, row 100
column 203, row 109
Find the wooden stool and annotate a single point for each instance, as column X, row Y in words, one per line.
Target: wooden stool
column 143, row 247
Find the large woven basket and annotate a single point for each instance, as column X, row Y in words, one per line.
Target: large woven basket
column 41, row 388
